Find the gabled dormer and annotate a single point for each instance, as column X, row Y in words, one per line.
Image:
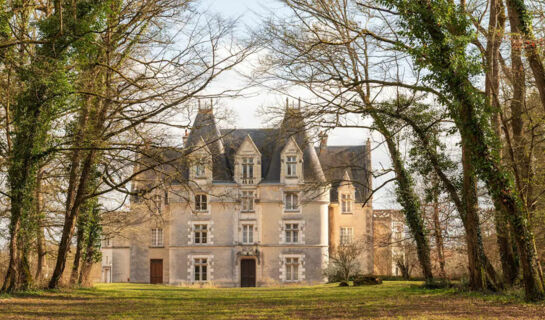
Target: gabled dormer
column 291, row 159
column 347, row 194
column 200, row 163
column 247, row 163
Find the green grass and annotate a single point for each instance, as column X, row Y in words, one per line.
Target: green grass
column 391, row 300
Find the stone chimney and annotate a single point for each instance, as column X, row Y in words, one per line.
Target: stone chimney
column 323, row 140
column 184, row 138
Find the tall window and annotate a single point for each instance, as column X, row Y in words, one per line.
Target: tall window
column 199, row 170
column 292, row 232
column 157, row 202
column 247, row 168
column 292, row 269
column 347, row 235
column 346, row 203
column 200, row 234
column 291, row 166
column 201, row 202
column 156, row 237
column 292, row 201
column 201, row 266
column 247, row 201
column 247, row 233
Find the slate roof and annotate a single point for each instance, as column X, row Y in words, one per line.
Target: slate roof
column 326, row 165
column 336, row 160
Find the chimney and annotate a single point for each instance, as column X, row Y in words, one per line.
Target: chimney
column 323, row 140
column 184, row 138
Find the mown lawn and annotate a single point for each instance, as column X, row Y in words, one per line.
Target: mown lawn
column 391, row 300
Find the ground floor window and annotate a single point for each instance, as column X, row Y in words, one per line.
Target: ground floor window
column 201, row 266
column 292, row 269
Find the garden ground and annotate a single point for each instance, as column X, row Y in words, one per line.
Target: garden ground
column 391, row 300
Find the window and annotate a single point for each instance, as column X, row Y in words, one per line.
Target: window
column 247, row 168
column 199, row 170
column 157, row 202
column 201, row 265
column 291, row 166
column 107, row 242
column 292, row 232
column 292, row 269
column 347, row 235
column 247, row 233
column 346, row 203
column 292, row 201
column 166, row 197
column 247, row 201
column 201, row 202
column 200, row 234
column 156, row 237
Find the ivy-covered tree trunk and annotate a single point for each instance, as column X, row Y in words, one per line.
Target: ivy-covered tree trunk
column 452, row 70
column 409, row 201
column 437, row 230
column 520, row 19
column 477, row 273
column 40, row 238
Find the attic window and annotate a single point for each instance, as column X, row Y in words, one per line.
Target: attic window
column 291, row 166
column 199, row 170
column 247, row 170
column 346, row 203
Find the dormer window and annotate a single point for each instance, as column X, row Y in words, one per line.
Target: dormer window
column 291, row 201
column 157, row 202
column 247, row 170
column 199, row 170
column 291, row 166
column 201, row 202
column 346, row 203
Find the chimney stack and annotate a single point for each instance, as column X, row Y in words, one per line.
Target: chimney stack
column 323, row 140
column 184, row 138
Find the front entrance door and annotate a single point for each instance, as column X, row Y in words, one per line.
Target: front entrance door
column 247, row 273
column 156, row 271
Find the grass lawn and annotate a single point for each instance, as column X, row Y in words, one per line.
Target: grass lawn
column 391, row 300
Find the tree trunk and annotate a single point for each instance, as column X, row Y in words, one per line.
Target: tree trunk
column 70, row 220
column 465, row 112
column 40, row 239
column 520, row 19
column 77, row 256
column 438, row 232
column 409, row 201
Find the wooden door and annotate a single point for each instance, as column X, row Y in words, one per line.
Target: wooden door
column 156, row 271
column 247, row 273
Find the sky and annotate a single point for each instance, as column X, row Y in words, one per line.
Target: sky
column 247, row 110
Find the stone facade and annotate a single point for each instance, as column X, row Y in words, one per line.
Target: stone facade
column 244, row 207
column 389, row 239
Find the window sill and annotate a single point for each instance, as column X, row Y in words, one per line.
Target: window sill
column 347, row 212
column 159, row 247
column 292, row 211
column 247, row 211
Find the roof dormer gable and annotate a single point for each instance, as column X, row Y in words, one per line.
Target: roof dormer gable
column 247, row 148
column 291, row 147
column 247, row 163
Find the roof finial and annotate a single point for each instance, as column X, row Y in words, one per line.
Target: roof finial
column 199, row 104
column 287, row 103
column 210, row 104
column 299, row 104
